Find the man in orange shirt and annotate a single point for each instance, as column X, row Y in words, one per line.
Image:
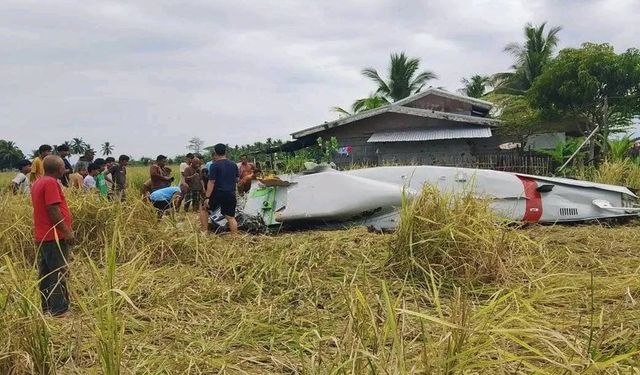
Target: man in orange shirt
column 53, row 235
column 37, row 169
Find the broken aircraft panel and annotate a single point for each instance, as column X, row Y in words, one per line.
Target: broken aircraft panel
column 373, row 197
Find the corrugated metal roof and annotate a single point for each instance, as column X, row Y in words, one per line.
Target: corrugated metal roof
column 430, row 134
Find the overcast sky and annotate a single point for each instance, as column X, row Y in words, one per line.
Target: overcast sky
column 149, row 75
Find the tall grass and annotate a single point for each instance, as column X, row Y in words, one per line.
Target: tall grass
column 453, row 235
column 153, row 297
column 29, row 349
column 624, row 172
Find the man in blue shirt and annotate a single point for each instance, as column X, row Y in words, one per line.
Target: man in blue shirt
column 165, row 199
column 221, row 188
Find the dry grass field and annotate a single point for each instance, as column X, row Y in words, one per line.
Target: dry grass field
column 450, row 292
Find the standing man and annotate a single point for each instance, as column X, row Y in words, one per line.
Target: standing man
column 184, row 165
column 221, row 189
column 37, row 169
column 160, row 174
column 194, row 181
column 247, row 174
column 119, row 176
column 109, row 162
column 84, row 160
column 63, row 152
column 53, row 234
column 101, row 181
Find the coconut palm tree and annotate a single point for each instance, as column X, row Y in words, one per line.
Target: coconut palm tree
column 361, row 105
column 404, row 78
column 106, row 148
column 77, row 146
column 10, row 154
column 530, row 59
column 475, row 86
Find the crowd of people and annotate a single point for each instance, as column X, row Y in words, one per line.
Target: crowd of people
column 107, row 177
column 203, row 187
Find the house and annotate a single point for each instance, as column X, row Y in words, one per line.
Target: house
column 431, row 127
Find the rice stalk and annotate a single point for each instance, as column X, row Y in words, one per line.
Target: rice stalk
column 29, row 344
column 154, row 297
column 456, row 235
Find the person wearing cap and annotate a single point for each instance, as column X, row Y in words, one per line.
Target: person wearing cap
column 20, row 184
column 160, row 174
column 168, row 198
column 63, row 152
column 84, row 160
column 37, row 167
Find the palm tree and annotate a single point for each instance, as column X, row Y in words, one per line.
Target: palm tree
column 404, row 78
column 107, row 148
column 530, row 59
column 10, row 154
column 475, row 86
column 77, row 146
column 361, row 105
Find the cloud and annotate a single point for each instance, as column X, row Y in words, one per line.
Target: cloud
column 149, row 75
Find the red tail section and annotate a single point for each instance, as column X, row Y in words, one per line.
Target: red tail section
column 533, row 210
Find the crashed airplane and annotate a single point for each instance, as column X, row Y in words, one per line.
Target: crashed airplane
column 324, row 197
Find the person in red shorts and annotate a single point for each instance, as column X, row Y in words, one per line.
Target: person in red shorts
column 53, row 235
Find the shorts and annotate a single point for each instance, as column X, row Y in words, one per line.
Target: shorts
column 193, row 197
column 162, row 205
column 226, row 201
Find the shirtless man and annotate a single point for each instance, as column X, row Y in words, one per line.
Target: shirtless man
column 247, row 174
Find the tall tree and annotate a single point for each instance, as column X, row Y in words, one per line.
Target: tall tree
column 476, row 86
column 361, row 105
column 531, row 57
column 195, row 145
column 106, row 148
column 593, row 86
column 78, row 146
column 10, row 154
column 404, row 77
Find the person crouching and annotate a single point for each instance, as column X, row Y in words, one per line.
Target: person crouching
column 168, row 198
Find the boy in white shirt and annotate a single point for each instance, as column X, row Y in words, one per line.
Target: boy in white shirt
column 89, row 182
column 20, row 184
